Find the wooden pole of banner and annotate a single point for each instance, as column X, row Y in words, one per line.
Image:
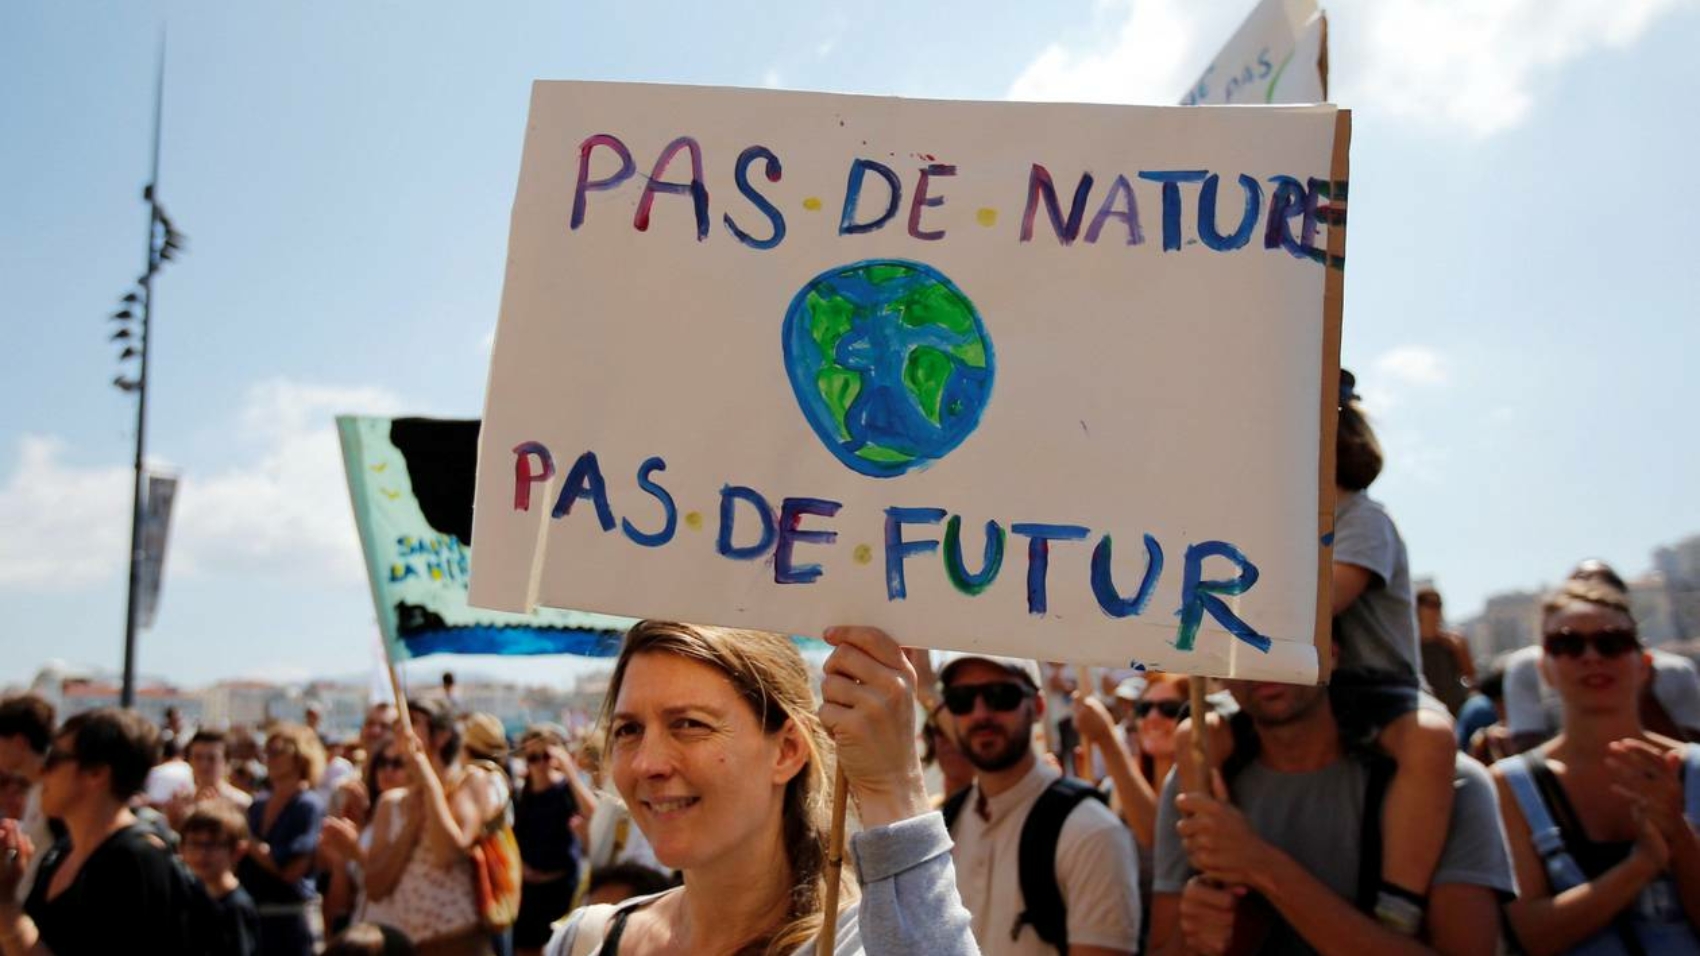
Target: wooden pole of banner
column 1082, row 688
column 1200, row 742
column 834, row 866
column 403, row 718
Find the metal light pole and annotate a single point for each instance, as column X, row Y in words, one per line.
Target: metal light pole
column 161, row 243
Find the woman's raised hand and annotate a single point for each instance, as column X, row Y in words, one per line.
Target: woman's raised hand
column 869, row 709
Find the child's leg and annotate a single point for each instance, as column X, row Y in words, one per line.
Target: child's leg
column 1418, row 809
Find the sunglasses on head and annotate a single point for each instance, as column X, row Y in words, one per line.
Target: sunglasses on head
column 1001, row 696
column 1611, row 642
column 1172, row 709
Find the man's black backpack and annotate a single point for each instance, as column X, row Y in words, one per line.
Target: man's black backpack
column 1037, row 859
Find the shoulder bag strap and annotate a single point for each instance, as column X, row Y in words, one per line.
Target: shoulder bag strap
column 1544, row 831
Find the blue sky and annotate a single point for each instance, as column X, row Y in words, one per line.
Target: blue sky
column 1520, row 303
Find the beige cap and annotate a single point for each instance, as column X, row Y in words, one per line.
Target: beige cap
column 1025, row 668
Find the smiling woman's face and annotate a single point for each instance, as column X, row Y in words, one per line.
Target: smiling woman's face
column 1156, row 731
column 1608, row 672
column 689, row 756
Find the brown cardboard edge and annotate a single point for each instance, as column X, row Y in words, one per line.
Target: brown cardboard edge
column 1322, row 60
column 1333, row 306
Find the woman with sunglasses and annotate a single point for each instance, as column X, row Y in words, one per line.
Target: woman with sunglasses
column 548, row 849
column 345, row 841
column 1600, row 820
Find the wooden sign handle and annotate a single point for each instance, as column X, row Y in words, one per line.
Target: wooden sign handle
column 834, row 867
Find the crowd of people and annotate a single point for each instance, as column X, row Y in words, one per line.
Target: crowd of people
column 1003, row 806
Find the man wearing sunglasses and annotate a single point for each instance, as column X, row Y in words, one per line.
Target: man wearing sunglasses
column 1076, row 849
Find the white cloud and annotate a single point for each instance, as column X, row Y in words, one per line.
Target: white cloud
column 1156, row 47
column 1456, row 65
column 1416, row 365
column 67, row 526
column 1468, row 65
column 284, row 508
column 281, row 509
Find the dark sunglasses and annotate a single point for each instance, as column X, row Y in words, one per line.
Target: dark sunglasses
column 1002, row 697
column 536, row 758
column 1611, row 642
column 1172, row 709
column 389, row 763
column 55, row 757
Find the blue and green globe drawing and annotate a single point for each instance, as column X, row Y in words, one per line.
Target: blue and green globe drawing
column 890, row 363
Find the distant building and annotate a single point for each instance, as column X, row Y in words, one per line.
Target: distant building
column 248, row 703
column 1655, row 612
column 1508, row 621
column 78, row 694
column 1680, row 565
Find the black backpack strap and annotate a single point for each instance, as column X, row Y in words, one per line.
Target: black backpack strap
column 1369, row 834
column 953, row 806
column 1042, row 900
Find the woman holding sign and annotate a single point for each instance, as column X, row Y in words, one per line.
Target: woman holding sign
column 714, row 743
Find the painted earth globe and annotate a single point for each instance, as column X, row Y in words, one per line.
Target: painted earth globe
column 890, row 363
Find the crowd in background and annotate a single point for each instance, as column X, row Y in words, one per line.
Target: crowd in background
column 1547, row 807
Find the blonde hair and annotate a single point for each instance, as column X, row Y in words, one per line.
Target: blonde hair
column 309, row 751
column 1586, row 591
column 773, row 680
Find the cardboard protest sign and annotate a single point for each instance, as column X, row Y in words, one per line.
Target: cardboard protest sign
column 1052, row 381
column 1278, row 55
column 410, row 480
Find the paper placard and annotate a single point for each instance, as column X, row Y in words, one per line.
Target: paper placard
column 1032, row 379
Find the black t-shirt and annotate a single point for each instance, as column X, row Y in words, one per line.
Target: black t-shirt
column 229, row 926
column 130, row 896
column 546, row 841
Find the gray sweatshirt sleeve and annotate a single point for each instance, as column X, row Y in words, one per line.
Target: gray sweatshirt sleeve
column 909, row 901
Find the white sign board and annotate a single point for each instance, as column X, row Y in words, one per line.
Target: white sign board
column 1278, row 55
column 1041, row 380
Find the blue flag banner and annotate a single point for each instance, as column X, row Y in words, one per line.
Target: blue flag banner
column 410, row 481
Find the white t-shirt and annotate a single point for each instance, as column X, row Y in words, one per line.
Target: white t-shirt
column 1096, row 866
column 168, row 780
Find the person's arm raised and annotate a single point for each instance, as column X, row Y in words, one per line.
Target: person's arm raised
column 909, row 900
column 453, row 821
column 582, row 794
column 867, row 694
column 1138, row 800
